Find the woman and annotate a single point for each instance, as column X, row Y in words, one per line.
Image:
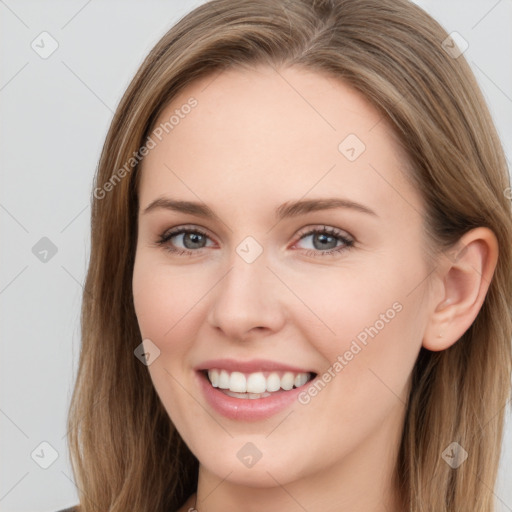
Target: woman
column 299, row 293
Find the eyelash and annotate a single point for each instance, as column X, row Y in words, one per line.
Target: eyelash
column 167, row 235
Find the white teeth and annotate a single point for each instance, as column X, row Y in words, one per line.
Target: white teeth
column 300, row 380
column 223, row 379
column 287, row 381
column 250, row 396
column 273, row 382
column 237, row 382
column 214, row 377
column 255, row 385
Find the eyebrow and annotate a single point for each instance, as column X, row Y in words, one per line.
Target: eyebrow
column 288, row 209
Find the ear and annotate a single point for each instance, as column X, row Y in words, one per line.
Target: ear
column 463, row 278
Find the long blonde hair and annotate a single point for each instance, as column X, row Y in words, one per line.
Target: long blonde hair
column 125, row 452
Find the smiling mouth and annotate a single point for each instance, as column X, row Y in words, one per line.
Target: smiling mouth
column 257, row 384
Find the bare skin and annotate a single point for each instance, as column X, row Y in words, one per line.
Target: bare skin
column 258, row 139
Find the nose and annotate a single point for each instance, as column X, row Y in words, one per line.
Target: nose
column 248, row 300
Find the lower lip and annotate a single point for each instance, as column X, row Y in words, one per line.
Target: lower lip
column 247, row 409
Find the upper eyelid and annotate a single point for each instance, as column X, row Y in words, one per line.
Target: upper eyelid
column 325, row 227
column 185, row 227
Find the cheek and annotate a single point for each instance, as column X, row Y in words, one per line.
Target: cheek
column 368, row 327
column 164, row 299
column 367, row 378
column 347, row 304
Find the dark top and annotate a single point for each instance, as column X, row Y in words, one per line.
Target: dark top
column 71, row 509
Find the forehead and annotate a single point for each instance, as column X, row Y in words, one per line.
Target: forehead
column 275, row 134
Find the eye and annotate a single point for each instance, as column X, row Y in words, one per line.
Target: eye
column 326, row 241
column 183, row 240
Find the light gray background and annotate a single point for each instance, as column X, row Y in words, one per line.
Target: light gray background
column 55, row 115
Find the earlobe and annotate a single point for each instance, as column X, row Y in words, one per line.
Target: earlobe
column 464, row 277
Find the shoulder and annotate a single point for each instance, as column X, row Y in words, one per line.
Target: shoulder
column 70, row 509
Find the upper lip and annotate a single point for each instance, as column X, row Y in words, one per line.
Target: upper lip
column 251, row 366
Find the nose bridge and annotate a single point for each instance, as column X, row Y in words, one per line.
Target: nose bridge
column 247, row 296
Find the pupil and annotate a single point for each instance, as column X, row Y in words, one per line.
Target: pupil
column 325, row 239
column 194, row 238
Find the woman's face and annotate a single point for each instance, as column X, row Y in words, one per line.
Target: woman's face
column 253, row 293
